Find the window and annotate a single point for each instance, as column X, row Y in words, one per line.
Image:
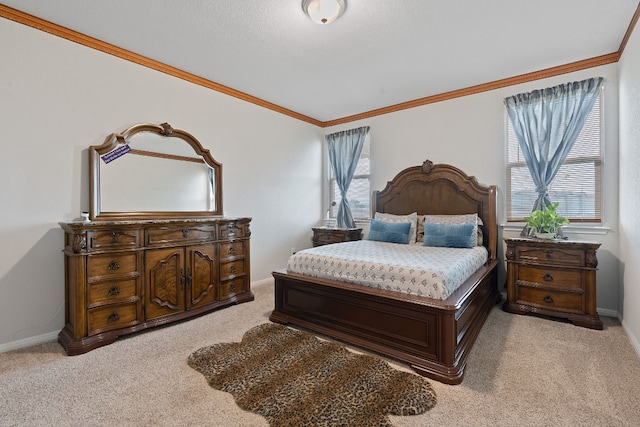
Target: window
column 359, row 195
column 578, row 184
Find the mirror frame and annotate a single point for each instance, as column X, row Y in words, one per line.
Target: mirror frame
column 117, row 139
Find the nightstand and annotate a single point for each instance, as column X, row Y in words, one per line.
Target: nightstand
column 553, row 278
column 327, row 235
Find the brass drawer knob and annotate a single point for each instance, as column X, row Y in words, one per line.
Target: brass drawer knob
column 114, row 291
column 113, row 266
column 232, row 250
column 547, row 278
column 232, row 269
column 113, row 317
column 548, row 299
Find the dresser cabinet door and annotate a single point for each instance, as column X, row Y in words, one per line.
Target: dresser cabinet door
column 201, row 274
column 165, row 282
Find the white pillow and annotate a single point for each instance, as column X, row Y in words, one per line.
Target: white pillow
column 412, row 218
column 454, row 220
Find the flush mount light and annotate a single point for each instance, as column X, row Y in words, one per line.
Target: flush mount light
column 323, row 11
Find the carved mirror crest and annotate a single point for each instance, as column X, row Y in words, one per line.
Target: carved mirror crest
column 153, row 171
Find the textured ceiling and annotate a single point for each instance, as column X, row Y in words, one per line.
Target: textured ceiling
column 379, row 53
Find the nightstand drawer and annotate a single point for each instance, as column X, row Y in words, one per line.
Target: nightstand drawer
column 545, row 298
column 326, row 235
column 564, row 257
column 551, row 276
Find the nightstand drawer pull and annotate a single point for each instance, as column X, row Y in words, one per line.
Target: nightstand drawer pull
column 113, row 291
column 547, row 278
column 113, row 265
column 548, row 299
column 113, row 317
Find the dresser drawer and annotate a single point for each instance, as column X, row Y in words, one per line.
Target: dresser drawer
column 232, row 287
column 551, row 276
column 113, row 239
column 179, row 235
column 99, row 266
column 111, row 317
column 229, row 270
column 111, row 291
column 232, row 230
column 541, row 255
column 554, row 300
column 231, row 250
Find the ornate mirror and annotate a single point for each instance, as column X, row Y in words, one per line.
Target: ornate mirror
column 153, row 171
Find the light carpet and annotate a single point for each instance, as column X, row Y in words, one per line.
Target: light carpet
column 522, row 371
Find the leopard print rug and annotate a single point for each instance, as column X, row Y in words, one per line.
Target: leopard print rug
column 294, row 379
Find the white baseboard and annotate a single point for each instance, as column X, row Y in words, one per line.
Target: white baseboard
column 28, row 342
column 634, row 342
column 608, row 312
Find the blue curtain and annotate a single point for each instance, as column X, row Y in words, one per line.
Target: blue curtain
column 547, row 123
column 344, row 152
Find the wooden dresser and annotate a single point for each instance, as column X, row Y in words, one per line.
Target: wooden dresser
column 327, row 235
column 126, row 276
column 553, row 278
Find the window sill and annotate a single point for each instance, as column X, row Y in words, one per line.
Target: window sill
column 567, row 229
column 359, row 222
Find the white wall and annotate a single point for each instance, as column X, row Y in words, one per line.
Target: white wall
column 630, row 187
column 468, row 132
column 58, row 97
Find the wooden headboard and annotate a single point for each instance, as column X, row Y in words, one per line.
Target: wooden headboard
column 440, row 190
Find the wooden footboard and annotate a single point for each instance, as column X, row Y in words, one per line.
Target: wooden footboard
column 434, row 337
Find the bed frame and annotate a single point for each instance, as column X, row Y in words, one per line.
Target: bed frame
column 433, row 336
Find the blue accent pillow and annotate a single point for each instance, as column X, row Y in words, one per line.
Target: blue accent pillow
column 391, row 232
column 449, row 236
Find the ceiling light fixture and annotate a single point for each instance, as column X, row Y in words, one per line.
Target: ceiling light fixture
column 323, row 11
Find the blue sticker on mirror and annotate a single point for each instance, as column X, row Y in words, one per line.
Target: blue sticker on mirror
column 120, row 151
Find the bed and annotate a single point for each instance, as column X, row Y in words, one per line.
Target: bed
column 434, row 336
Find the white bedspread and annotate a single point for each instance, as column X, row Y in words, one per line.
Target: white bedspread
column 414, row 269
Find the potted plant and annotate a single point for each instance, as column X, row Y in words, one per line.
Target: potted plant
column 546, row 223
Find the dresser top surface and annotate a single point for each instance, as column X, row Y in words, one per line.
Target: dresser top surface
column 151, row 222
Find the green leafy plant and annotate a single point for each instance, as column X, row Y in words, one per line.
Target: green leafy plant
column 546, row 221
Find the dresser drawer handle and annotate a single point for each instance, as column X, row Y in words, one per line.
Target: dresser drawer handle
column 114, row 237
column 113, row 265
column 232, row 288
column 232, row 250
column 185, row 233
column 114, row 291
column 549, row 254
column 113, row 317
column 548, row 299
column 232, row 269
column 547, row 278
